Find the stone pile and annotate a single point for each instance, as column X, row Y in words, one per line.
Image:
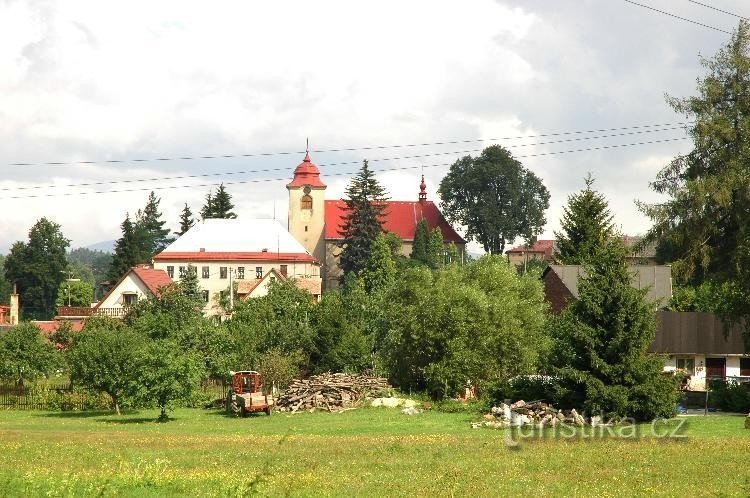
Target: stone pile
column 536, row 413
column 332, row 392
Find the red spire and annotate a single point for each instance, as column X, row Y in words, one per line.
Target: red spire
column 306, row 173
column 422, row 191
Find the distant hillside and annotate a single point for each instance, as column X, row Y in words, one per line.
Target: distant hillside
column 105, row 246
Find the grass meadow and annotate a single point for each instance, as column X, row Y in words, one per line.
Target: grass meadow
column 372, row 451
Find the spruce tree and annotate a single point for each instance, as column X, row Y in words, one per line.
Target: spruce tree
column 365, row 206
column 127, row 251
column 190, row 286
column 153, row 226
column 207, row 211
column 586, row 226
column 421, row 241
column 600, row 344
column 379, row 272
column 222, row 204
column 436, row 249
column 186, row 220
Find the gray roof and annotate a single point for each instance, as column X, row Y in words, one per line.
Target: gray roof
column 657, row 278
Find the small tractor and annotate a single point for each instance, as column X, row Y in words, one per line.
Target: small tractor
column 246, row 394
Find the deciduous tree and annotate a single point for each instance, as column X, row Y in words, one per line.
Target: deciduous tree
column 495, row 198
column 74, row 293
column 25, row 354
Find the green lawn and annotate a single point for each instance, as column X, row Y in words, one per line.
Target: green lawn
column 366, row 452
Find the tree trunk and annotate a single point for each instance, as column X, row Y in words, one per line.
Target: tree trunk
column 116, row 403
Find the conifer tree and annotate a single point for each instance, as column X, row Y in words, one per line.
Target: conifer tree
column 600, row 352
column 207, row 211
column 365, row 206
column 190, row 286
column 586, row 226
column 157, row 237
column 421, row 241
column 186, row 220
column 128, row 252
column 222, row 204
column 379, row 272
column 436, row 249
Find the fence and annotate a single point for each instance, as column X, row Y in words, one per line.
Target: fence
column 58, row 394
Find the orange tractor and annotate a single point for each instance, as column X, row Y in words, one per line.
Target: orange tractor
column 246, row 394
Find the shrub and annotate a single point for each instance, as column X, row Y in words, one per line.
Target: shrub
column 729, row 396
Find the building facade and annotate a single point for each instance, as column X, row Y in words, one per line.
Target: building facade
column 227, row 252
column 317, row 223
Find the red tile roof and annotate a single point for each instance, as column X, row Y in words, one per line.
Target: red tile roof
column 401, row 218
column 51, row 326
column 542, row 246
column 152, row 279
column 306, row 173
column 235, row 256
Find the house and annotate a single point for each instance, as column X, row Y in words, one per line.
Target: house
column 138, row 283
column 698, row 345
column 248, row 252
column 561, row 283
column 541, row 250
column 316, row 222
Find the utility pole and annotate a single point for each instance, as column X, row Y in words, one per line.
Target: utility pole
column 231, row 290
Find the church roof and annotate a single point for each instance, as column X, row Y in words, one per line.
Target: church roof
column 232, row 239
column 306, row 173
column 400, row 218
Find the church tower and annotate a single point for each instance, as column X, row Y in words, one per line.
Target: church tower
column 306, row 220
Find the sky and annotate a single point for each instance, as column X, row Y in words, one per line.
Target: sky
column 85, row 82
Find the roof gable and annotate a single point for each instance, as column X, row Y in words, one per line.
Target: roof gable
column 399, row 217
column 152, row 280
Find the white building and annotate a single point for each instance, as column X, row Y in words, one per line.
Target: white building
column 224, row 250
column 138, row 283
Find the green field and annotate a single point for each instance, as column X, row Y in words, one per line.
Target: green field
column 366, row 452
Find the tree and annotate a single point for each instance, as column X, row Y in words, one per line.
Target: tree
column 222, row 204
column 442, row 328
column 25, row 354
column 38, row 266
column 207, row 210
column 151, row 222
column 90, row 265
column 600, row 345
column 365, row 208
column 190, row 286
column 166, row 375
column 5, row 286
column 74, row 293
column 186, row 220
column 586, row 226
column 421, row 241
column 166, row 315
column 436, row 249
column 130, row 250
column 495, row 198
column 379, row 272
column 104, row 357
column 703, row 227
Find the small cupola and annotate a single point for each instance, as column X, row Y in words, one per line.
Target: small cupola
column 422, row 191
column 306, row 173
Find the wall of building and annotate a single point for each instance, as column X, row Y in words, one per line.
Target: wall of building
column 555, row 291
column 215, row 284
column 307, row 225
column 129, row 285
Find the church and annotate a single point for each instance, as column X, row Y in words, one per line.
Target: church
column 316, row 222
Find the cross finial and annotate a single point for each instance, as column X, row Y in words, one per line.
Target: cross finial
column 307, row 145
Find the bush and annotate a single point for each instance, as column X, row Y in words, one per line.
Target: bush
column 729, row 396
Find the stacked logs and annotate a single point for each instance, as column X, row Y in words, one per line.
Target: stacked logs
column 536, row 413
column 331, row 392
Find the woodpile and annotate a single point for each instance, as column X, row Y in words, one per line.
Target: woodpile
column 535, row 413
column 332, row 392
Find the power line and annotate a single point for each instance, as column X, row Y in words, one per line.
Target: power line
column 269, row 170
column 340, row 149
column 718, row 9
column 347, row 173
column 677, row 17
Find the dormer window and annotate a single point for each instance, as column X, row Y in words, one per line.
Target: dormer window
column 306, row 202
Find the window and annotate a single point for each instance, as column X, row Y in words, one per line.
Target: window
column 283, row 270
column 745, row 367
column 240, row 272
column 258, row 272
column 129, row 299
column 305, row 228
column 222, row 272
column 205, row 296
column 205, row 272
column 306, row 202
column 170, row 271
column 687, row 365
column 182, row 272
